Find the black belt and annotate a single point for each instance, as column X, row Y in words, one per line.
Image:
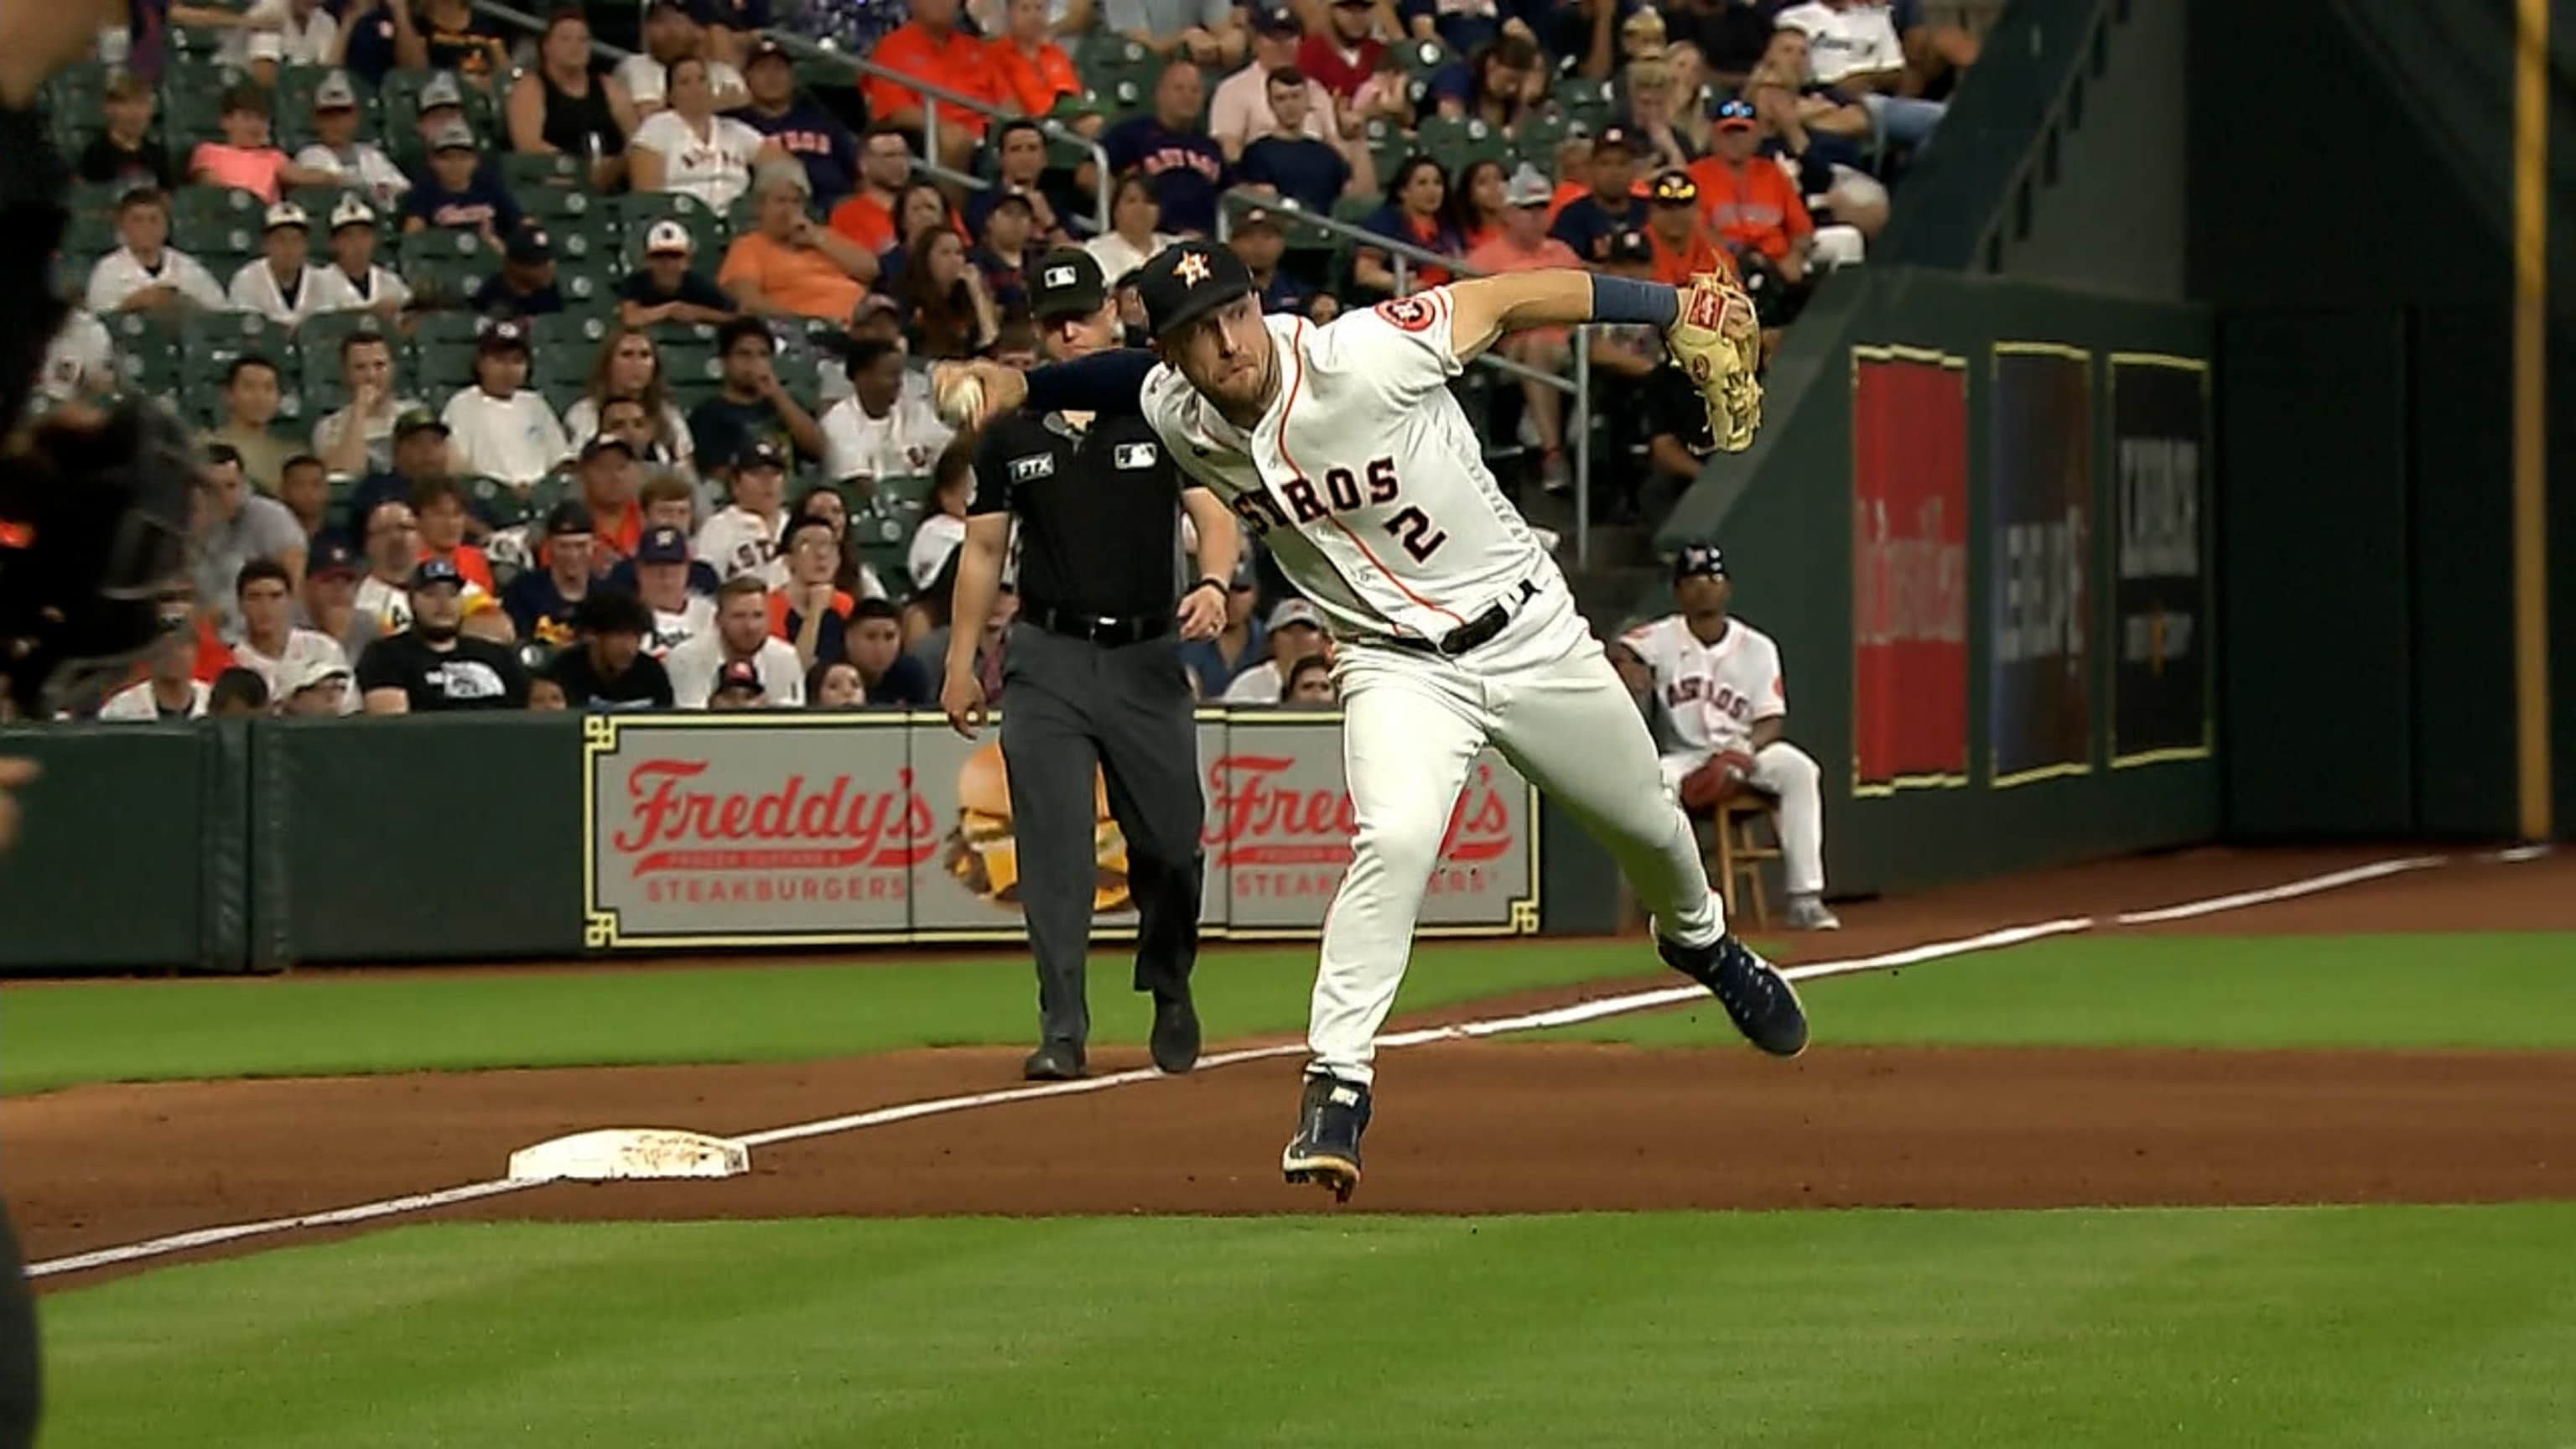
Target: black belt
column 1478, row 630
column 1098, row 628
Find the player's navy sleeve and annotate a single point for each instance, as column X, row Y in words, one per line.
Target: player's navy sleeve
column 1110, row 383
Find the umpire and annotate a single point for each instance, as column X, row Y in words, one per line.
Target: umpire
column 1091, row 677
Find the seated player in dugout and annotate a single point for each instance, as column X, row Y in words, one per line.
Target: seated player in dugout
column 1719, row 683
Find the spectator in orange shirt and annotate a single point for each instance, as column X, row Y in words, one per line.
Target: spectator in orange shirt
column 789, row 266
column 885, row 169
column 1034, row 70
column 1756, row 212
column 1522, row 244
column 1682, row 246
column 609, row 479
column 930, row 47
column 809, row 611
column 439, row 504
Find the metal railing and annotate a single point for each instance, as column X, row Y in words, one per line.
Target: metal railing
column 1407, row 257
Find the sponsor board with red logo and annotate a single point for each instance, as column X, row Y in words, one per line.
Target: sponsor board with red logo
column 773, row 828
column 786, row 829
column 1279, row 829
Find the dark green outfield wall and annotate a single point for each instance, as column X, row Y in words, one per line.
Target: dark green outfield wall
column 1789, row 542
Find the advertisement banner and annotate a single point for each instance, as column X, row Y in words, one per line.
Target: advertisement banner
column 2161, row 690
column 766, row 829
column 1909, row 570
column 774, row 828
column 2039, row 676
column 968, row 889
column 1279, row 826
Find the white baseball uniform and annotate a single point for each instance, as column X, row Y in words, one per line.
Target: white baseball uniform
column 1370, row 488
column 1715, row 693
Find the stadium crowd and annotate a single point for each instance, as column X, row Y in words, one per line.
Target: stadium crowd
column 535, row 378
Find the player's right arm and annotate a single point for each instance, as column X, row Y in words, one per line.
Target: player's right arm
column 1110, row 383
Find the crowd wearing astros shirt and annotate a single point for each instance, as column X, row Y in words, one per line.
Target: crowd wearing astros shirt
column 533, row 379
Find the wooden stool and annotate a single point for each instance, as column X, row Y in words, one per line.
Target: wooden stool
column 1739, row 854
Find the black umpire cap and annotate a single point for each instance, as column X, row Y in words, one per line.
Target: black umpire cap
column 1068, row 284
column 1187, row 280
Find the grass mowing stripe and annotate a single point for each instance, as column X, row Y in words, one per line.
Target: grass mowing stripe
column 320, row 1024
column 2499, row 990
column 2349, row 1327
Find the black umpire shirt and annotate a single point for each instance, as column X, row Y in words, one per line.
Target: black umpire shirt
column 1098, row 510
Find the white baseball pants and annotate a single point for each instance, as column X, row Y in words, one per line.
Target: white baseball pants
column 1782, row 769
column 1545, row 695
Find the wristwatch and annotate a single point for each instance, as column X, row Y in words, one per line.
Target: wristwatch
column 1206, row 581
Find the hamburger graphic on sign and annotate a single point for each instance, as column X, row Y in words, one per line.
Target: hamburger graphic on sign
column 982, row 852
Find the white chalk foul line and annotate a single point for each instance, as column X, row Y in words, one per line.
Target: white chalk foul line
column 332, row 1218
column 1556, row 1016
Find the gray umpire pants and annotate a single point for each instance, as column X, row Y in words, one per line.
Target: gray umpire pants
column 1067, row 707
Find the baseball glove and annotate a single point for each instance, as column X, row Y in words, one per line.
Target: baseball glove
column 94, row 517
column 1716, row 782
column 1717, row 342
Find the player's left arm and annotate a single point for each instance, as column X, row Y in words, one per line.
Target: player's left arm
column 1771, row 705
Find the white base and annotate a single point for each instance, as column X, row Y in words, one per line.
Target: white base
column 630, row 1152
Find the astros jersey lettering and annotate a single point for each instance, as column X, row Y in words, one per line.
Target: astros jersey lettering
column 1713, row 692
column 1364, row 477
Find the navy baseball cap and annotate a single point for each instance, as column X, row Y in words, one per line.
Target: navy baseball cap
column 1697, row 560
column 760, row 455
column 1187, row 280
column 333, row 555
column 433, row 571
column 662, row 545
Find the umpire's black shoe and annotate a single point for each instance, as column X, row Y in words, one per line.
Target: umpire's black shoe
column 1175, row 1041
column 1759, row 1000
column 1056, row 1061
column 1326, row 1150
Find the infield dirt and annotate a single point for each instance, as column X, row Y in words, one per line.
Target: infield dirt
column 1464, row 1127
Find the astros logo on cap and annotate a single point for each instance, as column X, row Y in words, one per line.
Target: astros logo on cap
column 1192, row 268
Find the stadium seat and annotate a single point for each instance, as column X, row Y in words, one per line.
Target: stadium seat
column 554, row 171
column 1456, row 141
column 588, row 288
column 503, row 505
column 147, row 345
column 1537, row 137
column 94, row 198
column 216, row 219
column 637, row 211
column 566, row 347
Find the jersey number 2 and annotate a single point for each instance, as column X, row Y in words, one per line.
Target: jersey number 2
column 1412, row 528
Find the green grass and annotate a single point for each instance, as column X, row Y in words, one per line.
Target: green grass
column 2350, row 1328
column 2185, row 991
column 319, row 1024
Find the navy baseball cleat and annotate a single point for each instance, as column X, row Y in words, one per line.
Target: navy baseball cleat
column 1759, row 1000
column 1326, row 1150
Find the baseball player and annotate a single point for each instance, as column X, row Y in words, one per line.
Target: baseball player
column 1718, row 679
column 1342, row 446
